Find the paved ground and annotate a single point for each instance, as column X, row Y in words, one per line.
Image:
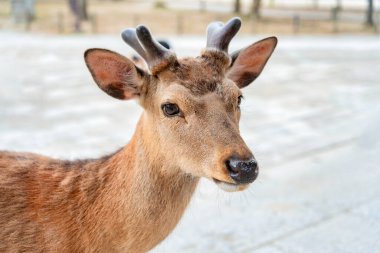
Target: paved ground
column 312, row 120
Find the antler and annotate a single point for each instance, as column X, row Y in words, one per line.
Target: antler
column 156, row 56
column 219, row 36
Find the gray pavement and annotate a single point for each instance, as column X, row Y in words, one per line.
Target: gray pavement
column 312, row 120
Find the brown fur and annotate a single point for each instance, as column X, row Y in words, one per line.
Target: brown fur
column 50, row 205
column 131, row 200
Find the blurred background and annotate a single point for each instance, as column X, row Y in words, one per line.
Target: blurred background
column 190, row 16
column 312, row 118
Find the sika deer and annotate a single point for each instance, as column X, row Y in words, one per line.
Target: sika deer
column 131, row 200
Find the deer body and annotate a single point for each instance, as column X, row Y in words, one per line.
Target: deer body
column 84, row 206
column 131, row 200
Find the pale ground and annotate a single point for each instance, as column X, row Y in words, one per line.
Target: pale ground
column 312, row 120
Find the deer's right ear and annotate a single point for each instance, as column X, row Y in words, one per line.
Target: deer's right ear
column 114, row 74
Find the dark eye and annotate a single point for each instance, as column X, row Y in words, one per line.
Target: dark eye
column 170, row 110
column 239, row 100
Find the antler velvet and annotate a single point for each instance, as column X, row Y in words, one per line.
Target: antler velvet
column 156, row 56
column 219, row 35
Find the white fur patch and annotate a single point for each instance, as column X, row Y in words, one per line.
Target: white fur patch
column 230, row 187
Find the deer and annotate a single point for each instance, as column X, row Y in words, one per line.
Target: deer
column 131, row 200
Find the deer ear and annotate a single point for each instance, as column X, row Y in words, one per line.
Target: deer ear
column 114, row 74
column 248, row 63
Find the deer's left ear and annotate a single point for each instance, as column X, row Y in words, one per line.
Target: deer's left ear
column 248, row 63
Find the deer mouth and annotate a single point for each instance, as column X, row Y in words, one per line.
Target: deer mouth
column 230, row 187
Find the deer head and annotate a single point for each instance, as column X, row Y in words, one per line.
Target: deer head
column 191, row 105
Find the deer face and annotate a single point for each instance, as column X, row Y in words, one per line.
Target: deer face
column 192, row 105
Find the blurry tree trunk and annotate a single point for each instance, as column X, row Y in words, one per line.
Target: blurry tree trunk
column 79, row 10
column 23, row 11
column 84, row 14
column 256, row 7
column 237, row 6
column 369, row 19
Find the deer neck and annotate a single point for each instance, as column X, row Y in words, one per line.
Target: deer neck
column 153, row 194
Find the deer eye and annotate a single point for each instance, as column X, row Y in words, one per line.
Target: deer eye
column 239, row 100
column 170, row 110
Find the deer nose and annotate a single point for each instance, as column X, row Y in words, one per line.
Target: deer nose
column 242, row 171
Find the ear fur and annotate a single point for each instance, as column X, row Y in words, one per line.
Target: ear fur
column 248, row 63
column 113, row 73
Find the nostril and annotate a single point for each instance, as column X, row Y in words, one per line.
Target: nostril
column 232, row 166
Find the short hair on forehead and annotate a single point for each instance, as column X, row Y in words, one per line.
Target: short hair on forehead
column 198, row 75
